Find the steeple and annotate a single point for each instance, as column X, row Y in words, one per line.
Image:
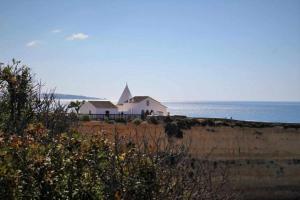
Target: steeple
column 126, row 95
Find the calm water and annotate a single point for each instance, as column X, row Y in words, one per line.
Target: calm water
column 252, row 111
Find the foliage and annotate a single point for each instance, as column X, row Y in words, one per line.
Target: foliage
column 76, row 166
column 186, row 123
column 121, row 120
column 22, row 103
column 168, row 119
column 137, row 121
column 42, row 156
column 152, row 120
column 172, row 129
column 18, row 97
column 85, row 118
column 76, row 105
column 175, row 127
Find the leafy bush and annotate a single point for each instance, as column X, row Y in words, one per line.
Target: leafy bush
column 187, row 123
column 121, row 120
column 22, row 103
column 85, row 118
column 152, row 120
column 106, row 119
column 76, row 166
column 175, row 127
column 168, row 119
column 208, row 122
column 137, row 121
column 172, row 129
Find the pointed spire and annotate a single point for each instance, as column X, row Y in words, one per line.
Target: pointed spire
column 126, row 95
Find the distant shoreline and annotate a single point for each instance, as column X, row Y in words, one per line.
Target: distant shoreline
column 249, row 123
column 60, row 96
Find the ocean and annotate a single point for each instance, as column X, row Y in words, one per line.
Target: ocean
column 250, row 111
column 288, row 112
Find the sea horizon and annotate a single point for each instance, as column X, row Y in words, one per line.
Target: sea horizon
column 260, row 111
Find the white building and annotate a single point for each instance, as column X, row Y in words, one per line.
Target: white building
column 127, row 105
column 140, row 104
column 143, row 104
column 98, row 107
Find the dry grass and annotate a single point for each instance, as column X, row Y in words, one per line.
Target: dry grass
column 261, row 159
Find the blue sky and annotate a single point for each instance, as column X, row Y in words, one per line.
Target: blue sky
column 171, row 50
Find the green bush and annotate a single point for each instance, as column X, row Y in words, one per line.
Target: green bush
column 208, row 122
column 172, row 130
column 152, row 120
column 85, row 118
column 137, row 121
column 76, row 166
column 187, row 123
column 121, row 120
column 168, row 119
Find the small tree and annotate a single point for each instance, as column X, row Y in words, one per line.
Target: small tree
column 22, row 103
column 18, row 93
column 76, row 105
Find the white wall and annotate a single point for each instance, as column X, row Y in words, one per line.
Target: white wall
column 136, row 108
column 87, row 106
column 103, row 110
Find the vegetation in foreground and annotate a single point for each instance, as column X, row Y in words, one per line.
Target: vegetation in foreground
column 42, row 157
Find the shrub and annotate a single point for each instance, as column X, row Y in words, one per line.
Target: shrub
column 121, row 120
column 75, row 166
column 106, row 119
column 22, row 103
column 152, row 120
column 172, row 129
column 168, row 119
column 207, row 122
column 183, row 124
column 85, row 118
column 137, row 121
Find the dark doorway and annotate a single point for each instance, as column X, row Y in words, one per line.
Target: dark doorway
column 143, row 114
column 107, row 113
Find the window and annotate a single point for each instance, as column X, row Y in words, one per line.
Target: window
column 147, row 102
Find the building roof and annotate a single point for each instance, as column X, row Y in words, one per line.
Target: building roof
column 126, row 94
column 103, row 104
column 137, row 99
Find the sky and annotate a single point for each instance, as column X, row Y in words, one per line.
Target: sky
column 195, row 50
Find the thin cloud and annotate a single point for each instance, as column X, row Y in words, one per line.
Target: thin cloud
column 77, row 36
column 33, row 43
column 56, row 31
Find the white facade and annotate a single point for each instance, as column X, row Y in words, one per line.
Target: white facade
column 89, row 108
column 147, row 104
column 126, row 105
